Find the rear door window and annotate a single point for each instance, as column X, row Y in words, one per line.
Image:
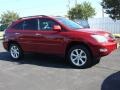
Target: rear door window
column 31, row 24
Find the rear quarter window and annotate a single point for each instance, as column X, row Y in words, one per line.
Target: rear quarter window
column 31, row 24
column 18, row 26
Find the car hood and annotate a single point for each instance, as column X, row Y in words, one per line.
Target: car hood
column 92, row 31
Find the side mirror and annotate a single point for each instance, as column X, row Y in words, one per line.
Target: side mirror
column 57, row 28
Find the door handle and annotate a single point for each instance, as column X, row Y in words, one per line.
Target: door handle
column 37, row 34
column 17, row 33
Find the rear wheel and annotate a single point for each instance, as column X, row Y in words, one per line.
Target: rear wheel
column 79, row 56
column 15, row 52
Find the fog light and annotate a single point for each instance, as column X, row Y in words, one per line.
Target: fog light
column 103, row 50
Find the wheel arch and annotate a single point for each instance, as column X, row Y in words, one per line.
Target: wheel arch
column 13, row 42
column 75, row 43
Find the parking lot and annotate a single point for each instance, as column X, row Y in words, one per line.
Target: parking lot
column 43, row 72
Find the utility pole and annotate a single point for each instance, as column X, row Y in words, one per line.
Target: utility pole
column 76, row 2
column 68, row 4
column 102, row 12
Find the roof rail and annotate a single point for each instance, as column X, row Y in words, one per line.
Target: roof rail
column 33, row 16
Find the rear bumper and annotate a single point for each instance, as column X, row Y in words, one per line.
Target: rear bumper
column 5, row 45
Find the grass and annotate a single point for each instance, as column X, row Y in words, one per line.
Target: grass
column 117, row 35
column 1, row 35
column 117, row 38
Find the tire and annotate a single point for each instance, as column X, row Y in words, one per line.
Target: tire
column 96, row 61
column 79, row 56
column 15, row 52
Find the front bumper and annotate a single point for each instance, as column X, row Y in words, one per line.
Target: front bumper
column 109, row 48
column 105, row 49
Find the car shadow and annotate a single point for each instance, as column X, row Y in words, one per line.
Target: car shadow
column 38, row 59
column 112, row 82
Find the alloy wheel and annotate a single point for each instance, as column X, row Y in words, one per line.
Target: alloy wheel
column 78, row 57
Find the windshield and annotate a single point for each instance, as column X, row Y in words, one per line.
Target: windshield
column 69, row 23
column 83, row 23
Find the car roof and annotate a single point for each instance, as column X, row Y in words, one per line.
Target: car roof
column 38, row 16
column 35, row 16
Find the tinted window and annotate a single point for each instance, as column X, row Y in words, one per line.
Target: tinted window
column 30, row 24
column 46, row 24
column 18, row 26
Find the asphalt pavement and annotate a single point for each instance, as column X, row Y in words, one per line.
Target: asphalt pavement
column 45, row 72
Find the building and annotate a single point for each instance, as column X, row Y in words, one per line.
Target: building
column 105, row 23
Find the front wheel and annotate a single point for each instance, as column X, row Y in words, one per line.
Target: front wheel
column 79, row 56
column 15, row 51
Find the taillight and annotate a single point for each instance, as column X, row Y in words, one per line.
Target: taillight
column 4, row 34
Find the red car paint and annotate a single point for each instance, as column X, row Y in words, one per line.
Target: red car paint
column 57, row 42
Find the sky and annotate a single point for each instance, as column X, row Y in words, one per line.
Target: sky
column 44, row 7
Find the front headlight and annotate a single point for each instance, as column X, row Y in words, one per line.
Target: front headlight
column 100, row 38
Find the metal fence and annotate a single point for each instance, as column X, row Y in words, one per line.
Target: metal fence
column 105, row 23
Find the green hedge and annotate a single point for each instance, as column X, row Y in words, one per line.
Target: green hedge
column 3, row 27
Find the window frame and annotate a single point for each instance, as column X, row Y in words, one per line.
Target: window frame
column 48, row 19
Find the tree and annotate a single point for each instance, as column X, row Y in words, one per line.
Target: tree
column 81, row 11
column 112, row 8
column 8, row 17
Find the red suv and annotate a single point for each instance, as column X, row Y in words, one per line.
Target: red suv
column 57, row 35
